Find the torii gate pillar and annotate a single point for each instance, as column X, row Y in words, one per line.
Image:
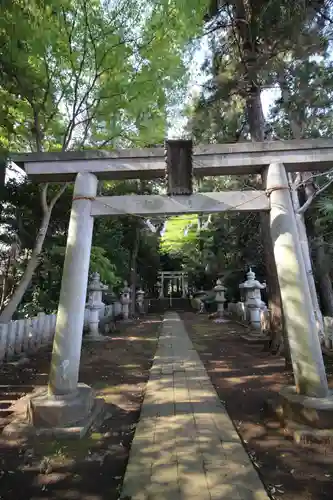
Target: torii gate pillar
column 67, row 403
column 306, row 355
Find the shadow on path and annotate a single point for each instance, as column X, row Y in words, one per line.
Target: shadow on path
column 244, row 377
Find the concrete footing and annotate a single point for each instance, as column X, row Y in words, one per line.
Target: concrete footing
column 255, row 338
column 315, row 412
column 306, row 418
column 96, row 338
column 41, row 414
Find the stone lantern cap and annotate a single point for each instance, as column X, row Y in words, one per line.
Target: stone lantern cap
column 219, row 287
column 95, row 284
column 126, row 288
column 251, row 283
column 140, row 292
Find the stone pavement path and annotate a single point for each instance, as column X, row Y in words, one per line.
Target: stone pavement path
column 185, row 446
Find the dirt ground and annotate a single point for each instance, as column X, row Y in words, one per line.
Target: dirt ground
column 244, row 376
column 91, row 468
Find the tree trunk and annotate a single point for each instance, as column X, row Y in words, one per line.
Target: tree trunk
column 2, row 171
column 323, row 276
column 301, row 228
column 33, row 262
column 297, row 133
column 4, row 286
column 256, row 122
column 324, row 280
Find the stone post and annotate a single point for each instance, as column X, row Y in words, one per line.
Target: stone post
column 125, row 300
column 140, row 297
column 305, row 349
column 41, row 325
column 219, row 290
column 162, row 287
column 241, row 311
column 96, row 306
column 200, row 295
column 183, row 287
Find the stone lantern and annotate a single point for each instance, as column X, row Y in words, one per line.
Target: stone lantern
column 95, row 305
column 253, row 302
column 125, row 300
column 219, row 290
column 140, row 297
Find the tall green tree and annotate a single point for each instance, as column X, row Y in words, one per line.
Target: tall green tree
column 247, row 40
column 79, row 73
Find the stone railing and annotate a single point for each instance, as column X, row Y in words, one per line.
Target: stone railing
column 25, row 336
column 109, row 311
column 239, row 311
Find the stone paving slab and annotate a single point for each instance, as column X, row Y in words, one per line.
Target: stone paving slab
column 185, row 446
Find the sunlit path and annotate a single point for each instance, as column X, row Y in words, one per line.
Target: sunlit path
column 185, row 445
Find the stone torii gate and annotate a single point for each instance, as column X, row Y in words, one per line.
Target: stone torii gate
column 172, row 277
column 68, row 403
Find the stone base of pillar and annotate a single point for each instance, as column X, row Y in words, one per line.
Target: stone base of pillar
column 41, row 414
column 96, row 338
column 255, row 337
column 305, row 417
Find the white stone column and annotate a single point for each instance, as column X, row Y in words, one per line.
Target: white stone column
column 69, row 327
column 162, row 287
column 125, row 301
column 19, row 336
column 40, row 329
column 3, row 340
column 183, row 287
column 140, row 297
column 305, row 349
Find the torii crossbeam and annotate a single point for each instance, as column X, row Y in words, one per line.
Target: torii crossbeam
column 209, row 160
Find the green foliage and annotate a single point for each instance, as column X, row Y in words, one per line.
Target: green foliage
column 100, row 263
column 86, row 74
column 179, row 232
column 305, row 107
column 256, row 45
column 78, row 74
